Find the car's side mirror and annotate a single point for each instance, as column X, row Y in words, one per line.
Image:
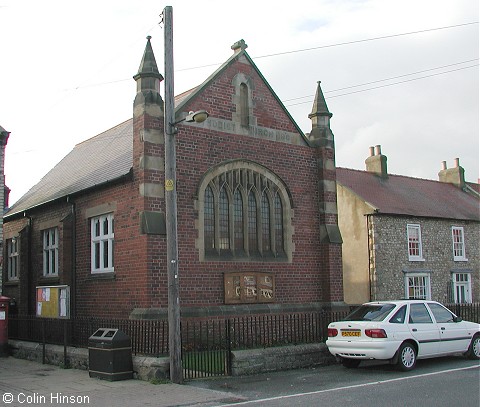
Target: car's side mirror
column 457, row 319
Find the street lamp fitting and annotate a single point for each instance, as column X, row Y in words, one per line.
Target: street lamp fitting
column 198, row 117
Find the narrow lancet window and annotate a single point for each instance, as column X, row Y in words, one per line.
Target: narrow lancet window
column 224, row 221
column 265, row 224
column 209, row 219
column 252, row 224
column 244, row 110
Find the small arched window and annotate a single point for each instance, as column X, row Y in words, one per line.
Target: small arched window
column 244, row 105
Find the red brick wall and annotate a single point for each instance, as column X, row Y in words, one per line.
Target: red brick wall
column 140, row 279
column 314, row 266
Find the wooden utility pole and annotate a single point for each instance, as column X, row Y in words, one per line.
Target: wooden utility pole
column 174, row 340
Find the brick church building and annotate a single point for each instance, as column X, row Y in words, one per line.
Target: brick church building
column 256, row 199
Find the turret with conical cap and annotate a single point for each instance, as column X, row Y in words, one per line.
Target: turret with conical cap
column 320, row 115
column 148, row 143
column 148, row 79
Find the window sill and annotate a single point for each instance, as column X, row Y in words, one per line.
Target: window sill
column 413, row 259
column 11, row 283
column 460, row 259
column 228, row 257
column 49, row 279
column 102, row 276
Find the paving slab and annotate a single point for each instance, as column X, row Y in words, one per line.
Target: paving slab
column 27, row 383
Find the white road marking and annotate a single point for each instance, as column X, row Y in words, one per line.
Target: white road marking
column 243, row 403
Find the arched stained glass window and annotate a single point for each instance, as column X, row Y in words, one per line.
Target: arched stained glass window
column 240, row 223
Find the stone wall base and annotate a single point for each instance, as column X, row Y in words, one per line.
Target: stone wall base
column 252, row 361
column 144, row 367
column 244, row 362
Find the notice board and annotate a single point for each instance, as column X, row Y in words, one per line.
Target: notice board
column 53, row 301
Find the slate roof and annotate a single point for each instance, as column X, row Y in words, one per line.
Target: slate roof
column 401, row 195
column 108, row 156
column 101, row 159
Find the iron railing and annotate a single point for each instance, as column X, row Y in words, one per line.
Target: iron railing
column 468, row 312
column 150, row 337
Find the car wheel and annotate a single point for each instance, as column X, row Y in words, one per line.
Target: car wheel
column 350, row 363
column 474, row 348
column 407, row 357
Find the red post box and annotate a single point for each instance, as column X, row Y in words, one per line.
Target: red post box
column 4, row 301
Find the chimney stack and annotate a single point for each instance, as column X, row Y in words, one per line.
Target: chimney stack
column 454, row 175
column 377, row 162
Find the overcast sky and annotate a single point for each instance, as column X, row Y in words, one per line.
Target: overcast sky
column 402, row 74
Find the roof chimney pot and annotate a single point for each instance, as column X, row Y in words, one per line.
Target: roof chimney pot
column 455, row 175
column 377, row 162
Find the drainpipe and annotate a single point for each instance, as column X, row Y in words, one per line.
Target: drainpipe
column 371, row 259
column 73, row 282
column 29, row 273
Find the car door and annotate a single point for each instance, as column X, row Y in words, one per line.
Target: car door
column 423, row 330
column 453, row 335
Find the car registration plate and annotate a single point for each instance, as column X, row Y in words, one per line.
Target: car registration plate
column 351, row 333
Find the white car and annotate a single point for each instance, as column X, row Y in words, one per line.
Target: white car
column 401, row 332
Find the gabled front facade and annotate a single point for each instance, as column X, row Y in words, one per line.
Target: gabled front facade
column 256, row 199
column 407, row 237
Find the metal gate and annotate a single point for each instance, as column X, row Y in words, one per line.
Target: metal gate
column 206, row 349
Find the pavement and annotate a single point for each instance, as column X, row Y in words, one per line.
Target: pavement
column 27, row 383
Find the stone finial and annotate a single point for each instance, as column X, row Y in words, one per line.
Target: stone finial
column 239, row 46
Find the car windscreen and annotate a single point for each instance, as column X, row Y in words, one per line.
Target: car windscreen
column 370, row 312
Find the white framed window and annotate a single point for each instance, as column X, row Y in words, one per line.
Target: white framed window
column 102, row 232
column 12, row 259
column 417, row 286
column 414, row 238
column 50, row 252
column 462, row 288
column 458, row 241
